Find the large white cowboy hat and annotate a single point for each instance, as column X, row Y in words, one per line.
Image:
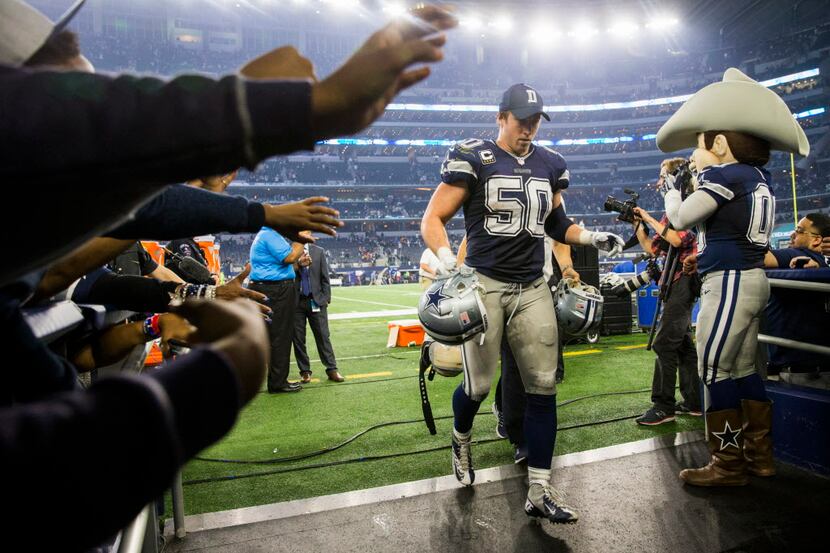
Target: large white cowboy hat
column 25, row 29
column 737, row 103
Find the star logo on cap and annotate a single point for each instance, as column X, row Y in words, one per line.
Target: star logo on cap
column 728, row 437
column 435, row 298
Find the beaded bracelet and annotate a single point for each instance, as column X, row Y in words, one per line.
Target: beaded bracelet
column 189, row 291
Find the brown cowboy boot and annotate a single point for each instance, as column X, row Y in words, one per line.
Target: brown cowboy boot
column 727, row 466
column 758, row 437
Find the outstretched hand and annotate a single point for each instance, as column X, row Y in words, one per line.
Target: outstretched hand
column 173, row 327
column 234, row 289
column 306, row 215
column 356, row 94
column 282, row 63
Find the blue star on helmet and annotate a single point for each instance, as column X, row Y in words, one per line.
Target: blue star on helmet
column 728, row 437
column 435, row 298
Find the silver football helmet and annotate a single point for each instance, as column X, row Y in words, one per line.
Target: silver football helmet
column 578, row 306
column 451, row 310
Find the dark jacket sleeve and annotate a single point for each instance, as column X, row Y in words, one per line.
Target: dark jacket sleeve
column 124, row 128
column 128, row 292
column 100, row 455
column 36, row 371
column 183, row 211
column 100, row 146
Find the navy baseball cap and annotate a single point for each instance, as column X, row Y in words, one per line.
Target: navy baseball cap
column 523, row 101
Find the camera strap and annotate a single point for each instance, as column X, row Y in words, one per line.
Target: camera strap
column 633, row 241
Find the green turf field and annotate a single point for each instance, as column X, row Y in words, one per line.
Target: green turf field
column 382, row 387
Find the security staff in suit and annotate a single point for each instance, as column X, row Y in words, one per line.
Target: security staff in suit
column 314, row 291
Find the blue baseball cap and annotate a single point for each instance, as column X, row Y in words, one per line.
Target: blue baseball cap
column 523, row 101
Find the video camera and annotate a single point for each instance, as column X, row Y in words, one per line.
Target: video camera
column 624, row 208
column 195, row 272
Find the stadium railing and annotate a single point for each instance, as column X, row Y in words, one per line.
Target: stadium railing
column 55, row 320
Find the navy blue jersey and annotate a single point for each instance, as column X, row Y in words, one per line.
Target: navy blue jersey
column 785, row 255
column 736, row 236
column 509, row 200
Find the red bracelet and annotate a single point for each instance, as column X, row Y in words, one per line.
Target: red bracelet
column 151, row 327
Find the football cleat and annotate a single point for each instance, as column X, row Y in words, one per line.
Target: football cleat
column 501, row 430
column 462, row 462
column 553, row 508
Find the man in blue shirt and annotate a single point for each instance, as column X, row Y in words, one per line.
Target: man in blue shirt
column 272, row 273
column 805, row 245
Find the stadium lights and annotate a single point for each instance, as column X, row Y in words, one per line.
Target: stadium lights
column 662, row 22
column 543, row 34
column 342, row 4
column 592, row 107
column 583, row 32
column 624, row 29
column 470, row 23
column 502, row 24
column 809, row 113
column 447, row 142
column 559, row 142
column 393, row 9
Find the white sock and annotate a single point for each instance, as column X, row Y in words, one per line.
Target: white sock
column 538, row 480
column 462, row 437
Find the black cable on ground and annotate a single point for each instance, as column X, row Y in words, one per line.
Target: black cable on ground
column 377, row 457
column 301, row 456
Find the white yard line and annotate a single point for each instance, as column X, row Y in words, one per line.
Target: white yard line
column 371, row 314
column 416, row 350
column 339, row 298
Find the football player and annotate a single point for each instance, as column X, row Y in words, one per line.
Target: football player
column 732, row 125
column 510, row 191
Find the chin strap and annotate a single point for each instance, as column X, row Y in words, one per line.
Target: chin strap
column 425, row 364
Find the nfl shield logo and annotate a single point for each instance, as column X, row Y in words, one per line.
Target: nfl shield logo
column 465, row 318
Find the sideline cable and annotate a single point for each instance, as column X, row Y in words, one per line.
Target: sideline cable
column 329, row 449
column 377, row 457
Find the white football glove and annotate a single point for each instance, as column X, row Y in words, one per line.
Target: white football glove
column 667, row 182
column 607, row 242
column 447, row 262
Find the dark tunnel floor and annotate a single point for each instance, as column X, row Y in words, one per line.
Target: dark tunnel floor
column 634, row 503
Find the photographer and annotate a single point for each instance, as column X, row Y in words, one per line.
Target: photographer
column 673, row 343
